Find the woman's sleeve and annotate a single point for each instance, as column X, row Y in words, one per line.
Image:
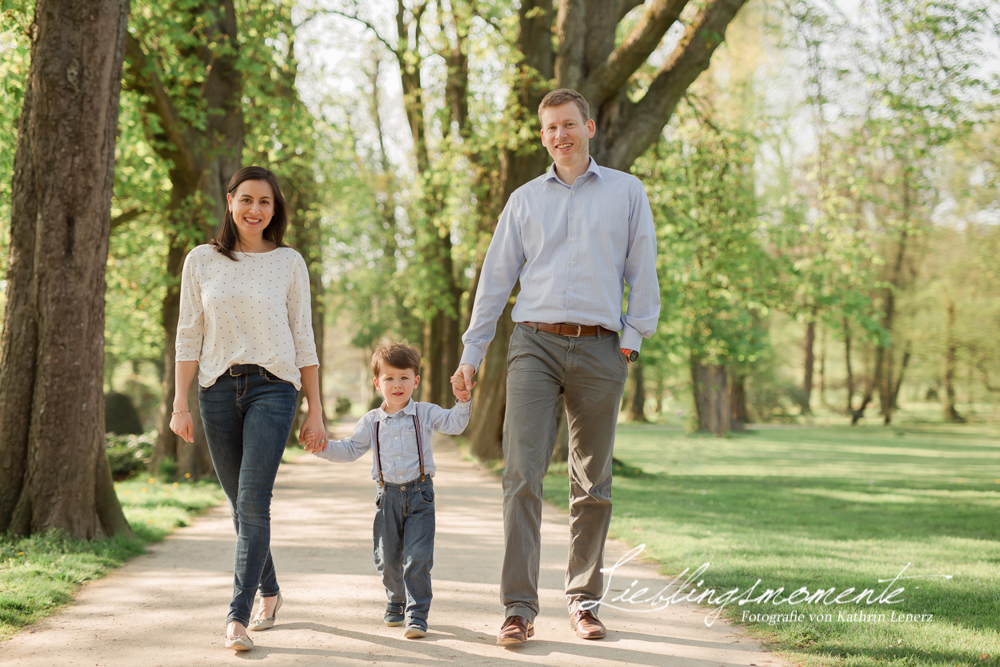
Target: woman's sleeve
column 300, row 315
column 191, row 321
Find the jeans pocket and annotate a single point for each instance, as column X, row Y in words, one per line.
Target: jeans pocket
column 271, row 377
column 427, row 495
column 378, row 498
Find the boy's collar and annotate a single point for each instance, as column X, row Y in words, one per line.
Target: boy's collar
column 408, row 409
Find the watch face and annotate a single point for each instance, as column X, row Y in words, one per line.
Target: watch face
column 633, row 355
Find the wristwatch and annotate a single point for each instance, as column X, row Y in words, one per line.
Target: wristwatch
column 631, row 355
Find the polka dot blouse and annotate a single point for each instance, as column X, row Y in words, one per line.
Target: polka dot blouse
column 251, row 311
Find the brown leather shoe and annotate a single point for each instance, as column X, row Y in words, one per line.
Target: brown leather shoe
column 586, row 625
column 515, row 630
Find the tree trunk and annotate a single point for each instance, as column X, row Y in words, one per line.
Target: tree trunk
column 711, row 397
column 809, row 361
column 738, row 401
column 822, row 368
column 895, row 386
column 659, row 395
column 54, row 471
column 884, row 356
column 490, row 405
column 950, row 412
column 637, row 395
column 203, row 159
column 847, row 363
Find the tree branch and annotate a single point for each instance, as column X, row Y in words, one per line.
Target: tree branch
column 126, row 216
column 571, row 32
column 147, row 81
column 354, row 17
column 605, row 81
column 626, row 6
column 644, row 120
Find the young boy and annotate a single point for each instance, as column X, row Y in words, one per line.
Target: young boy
column 403, row 466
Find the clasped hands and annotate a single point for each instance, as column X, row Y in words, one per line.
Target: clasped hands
column 462, row 384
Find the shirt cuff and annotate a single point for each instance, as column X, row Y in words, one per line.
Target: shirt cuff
column 472, row 356
column 631, row 339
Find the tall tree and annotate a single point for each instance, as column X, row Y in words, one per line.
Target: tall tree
column 630, row 100
column 54, row 471
column 603, row 49
column 183, row 59
column 281, row 134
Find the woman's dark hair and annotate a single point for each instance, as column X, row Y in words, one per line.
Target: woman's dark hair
column 228, row 236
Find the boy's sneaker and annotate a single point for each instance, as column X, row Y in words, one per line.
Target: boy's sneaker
column 415, row 629
column 393, row 618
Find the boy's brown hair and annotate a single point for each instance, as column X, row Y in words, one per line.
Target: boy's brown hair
column 559, row 97
column 397, row 355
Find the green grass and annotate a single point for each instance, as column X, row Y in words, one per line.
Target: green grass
column 822, row 508
column 40, row 573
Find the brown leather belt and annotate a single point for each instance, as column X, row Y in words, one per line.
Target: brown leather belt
column 571, row 330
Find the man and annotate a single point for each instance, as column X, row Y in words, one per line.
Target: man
column 573, row 237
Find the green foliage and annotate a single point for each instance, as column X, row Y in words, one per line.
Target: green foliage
column 343, row 407
column 129, row 454
column 716, row 279
column 15, row 51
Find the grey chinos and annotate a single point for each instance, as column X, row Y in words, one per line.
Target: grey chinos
column 590, row 371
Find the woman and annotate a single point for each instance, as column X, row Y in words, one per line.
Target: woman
column 245, row 325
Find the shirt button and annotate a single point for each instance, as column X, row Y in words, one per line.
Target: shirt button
column 397, row 458
column 572, row 192
column 570, row 289
column 571, row 263
column 572, row 215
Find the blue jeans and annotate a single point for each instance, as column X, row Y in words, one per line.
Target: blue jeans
column 247, row 420
column 404, row 546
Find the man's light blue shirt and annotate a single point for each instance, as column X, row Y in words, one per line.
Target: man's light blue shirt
column 573, row 247
column 397, row 439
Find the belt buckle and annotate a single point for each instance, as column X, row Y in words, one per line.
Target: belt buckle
column 579, row 328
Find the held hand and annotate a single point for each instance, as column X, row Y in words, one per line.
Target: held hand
column 314, row 433
column 465, row 372
column 458, row 388
column 310, row 442
column 462, row 384
column 183, row 425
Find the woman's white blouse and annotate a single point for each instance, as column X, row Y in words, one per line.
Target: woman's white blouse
column 254, row 310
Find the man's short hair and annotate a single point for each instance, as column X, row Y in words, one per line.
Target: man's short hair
column 397, row 355
column 557, row 98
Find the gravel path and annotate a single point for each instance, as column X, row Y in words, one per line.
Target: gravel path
column 168, row 606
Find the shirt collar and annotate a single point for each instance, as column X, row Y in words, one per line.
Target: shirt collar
column 409, row 409
column 594, row 169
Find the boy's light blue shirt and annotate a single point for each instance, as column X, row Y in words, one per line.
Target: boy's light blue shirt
column 398, row 440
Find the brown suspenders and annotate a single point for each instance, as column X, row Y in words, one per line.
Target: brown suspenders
column 378, row 456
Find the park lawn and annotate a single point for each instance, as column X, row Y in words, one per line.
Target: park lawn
column 38, row 574
column 823, row 508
